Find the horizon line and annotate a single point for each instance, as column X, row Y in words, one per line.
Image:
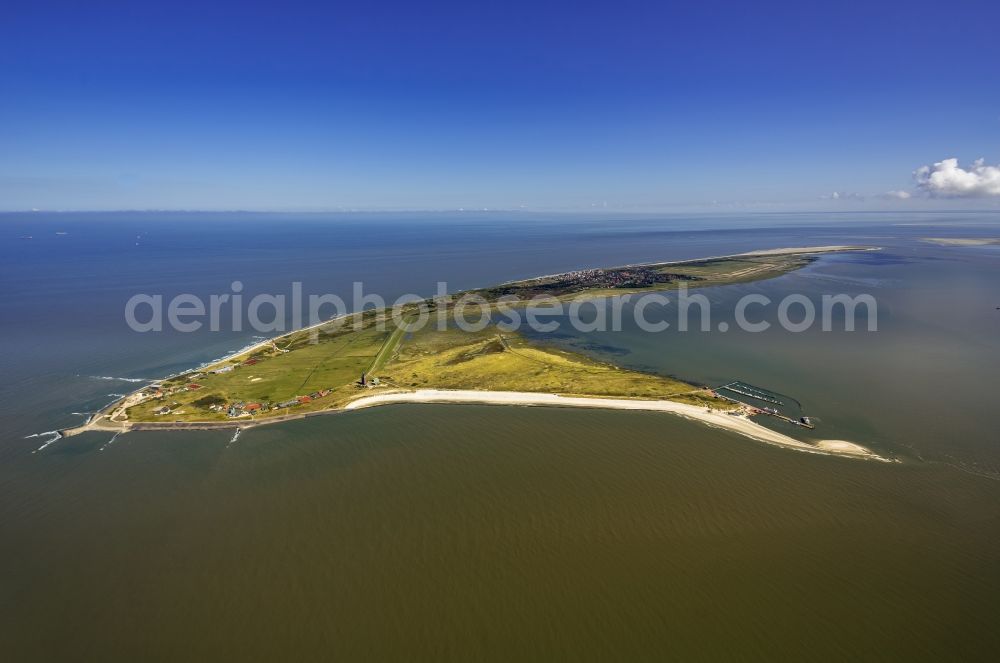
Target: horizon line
column 502, row 210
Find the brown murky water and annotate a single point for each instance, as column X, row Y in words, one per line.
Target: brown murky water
column 470, row 532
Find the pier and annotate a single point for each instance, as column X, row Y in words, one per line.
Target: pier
column 749, row 391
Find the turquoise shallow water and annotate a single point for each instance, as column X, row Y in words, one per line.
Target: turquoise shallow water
column 430, row 532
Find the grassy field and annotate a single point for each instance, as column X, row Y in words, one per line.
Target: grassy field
column 386, row 352
column 429, row 358
column 490, row 360
column 333, row 362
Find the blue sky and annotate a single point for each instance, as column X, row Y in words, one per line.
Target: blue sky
column 629, row 105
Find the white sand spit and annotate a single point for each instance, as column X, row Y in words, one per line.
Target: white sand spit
column 737, row 423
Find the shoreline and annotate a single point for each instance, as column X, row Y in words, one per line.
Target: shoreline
column 736, row 423
column 104, row 419
column 789, row 251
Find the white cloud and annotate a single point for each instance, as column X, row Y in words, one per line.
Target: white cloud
column 897, row 195
column 949, row 180
column 842, row 195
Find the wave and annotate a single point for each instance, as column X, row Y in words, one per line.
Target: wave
column 114, row 399
column 110, row 442
column 111, row 377
column 56, row 435
column 229, row 354
column 236, row 435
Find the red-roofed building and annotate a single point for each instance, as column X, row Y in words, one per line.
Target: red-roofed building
column 194, row 386
column 303, row 399
column 252, row 407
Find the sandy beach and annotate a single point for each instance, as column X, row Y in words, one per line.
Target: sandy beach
column 736, row 423
column 801, row 250
column 959, row 241
column 833, row 248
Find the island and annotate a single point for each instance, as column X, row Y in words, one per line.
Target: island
column 375, row 357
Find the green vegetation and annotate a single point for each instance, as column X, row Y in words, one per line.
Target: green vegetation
column 329, row 359
column 387, row 350
column 208, row 401
column 429, row 358
column 494, row 361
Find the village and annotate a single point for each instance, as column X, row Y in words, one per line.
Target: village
column 233, row 409
column 630, row 277
column 634, row 277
